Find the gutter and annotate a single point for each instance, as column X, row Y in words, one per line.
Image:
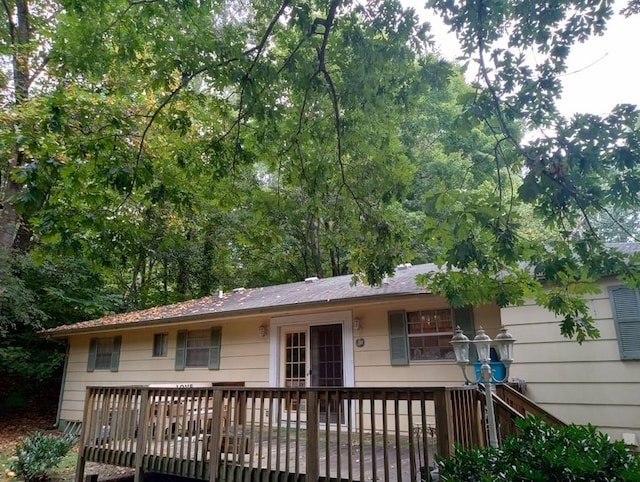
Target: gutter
column 62, row 383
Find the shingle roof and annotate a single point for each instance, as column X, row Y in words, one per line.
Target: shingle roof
column 309, row 292
column 625, row 248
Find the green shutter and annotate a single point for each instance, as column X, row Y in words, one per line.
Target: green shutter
column 115, row 354
column 91, row 363
column 625, row 304
column 214, row 350
column 463, row 317
column 181, row 350
column 398, row 339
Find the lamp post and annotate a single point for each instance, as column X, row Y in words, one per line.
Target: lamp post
column 504, row 342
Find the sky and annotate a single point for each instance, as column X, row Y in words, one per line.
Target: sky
column 602, row 72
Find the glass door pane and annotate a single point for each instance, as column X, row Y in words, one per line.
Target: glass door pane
column 326, row 365
column 295, row 359
column 326, row 356
column 295, row 367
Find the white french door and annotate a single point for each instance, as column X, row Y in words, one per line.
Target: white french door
column 313, row 356
column 312, row 351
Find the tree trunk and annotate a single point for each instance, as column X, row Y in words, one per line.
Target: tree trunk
column 10, row 220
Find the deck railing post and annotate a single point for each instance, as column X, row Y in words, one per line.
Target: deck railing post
column 215, row 449
column 444, row 422
column 141, row 436
column 86, row 422
column 313, row 430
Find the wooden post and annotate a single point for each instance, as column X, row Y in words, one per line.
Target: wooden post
column 143, row 432
column 215, row 449
column 478, row 432
column 313, row 429
column 86, row 423
column 444, row 422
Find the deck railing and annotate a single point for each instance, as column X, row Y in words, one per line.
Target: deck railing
column 522, row 405
column 249, row 434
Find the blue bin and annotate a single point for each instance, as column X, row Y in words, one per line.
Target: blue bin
column 497, row 367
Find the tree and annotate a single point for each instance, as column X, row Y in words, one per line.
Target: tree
column 35, row 296
column 186, row 146
column 109, row 145
column 25, row 49
column 586, row 164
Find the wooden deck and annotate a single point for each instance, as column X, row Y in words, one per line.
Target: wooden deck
column 234, row 434
column 263, row 456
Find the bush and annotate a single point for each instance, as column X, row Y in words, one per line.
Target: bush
column 38, row 453
column 545, row 453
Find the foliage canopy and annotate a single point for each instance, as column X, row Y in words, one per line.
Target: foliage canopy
column 180, row 147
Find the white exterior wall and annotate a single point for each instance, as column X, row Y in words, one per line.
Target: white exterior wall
column 580, row 384
column 245, row 354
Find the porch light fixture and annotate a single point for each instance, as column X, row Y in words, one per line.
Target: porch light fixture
column 356, row 324
column 504, row 343
column 262, row 331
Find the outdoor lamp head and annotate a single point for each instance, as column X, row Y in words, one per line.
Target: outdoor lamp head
column 483, row 345
column 505, row 342
column 460, row 344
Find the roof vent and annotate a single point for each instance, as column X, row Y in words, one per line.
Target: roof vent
column 238, row 290
column 311, row 279
column 404, row 266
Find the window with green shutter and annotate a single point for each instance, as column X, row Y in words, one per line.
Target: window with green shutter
column 198, row 348
column 104, row 354
column 426, row 335
column 625, row 305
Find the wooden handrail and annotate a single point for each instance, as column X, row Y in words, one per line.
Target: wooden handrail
column 525, row 406
column 222, row 433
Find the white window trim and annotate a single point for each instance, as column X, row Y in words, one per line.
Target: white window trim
column 345, row 318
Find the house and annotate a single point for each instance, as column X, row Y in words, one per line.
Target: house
column 332, row 333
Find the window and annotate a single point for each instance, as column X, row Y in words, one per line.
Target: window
column 198, row 344
column 160, row 344
column 425, row 335
column 198, row 348
column 104, row 354
column 625, row 305
column 429, row 334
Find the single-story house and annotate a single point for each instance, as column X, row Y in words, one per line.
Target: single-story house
column 330, row 332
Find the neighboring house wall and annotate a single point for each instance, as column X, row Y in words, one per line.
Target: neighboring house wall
column 245, row 355
column 581, row 384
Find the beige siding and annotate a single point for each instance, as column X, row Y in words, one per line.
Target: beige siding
column 581, row 384
column 608, row 416
column 244, row 357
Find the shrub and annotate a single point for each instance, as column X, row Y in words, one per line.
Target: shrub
column 545, row 453
column 38, row 453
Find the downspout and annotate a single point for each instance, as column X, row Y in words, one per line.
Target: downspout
column 62, row 382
